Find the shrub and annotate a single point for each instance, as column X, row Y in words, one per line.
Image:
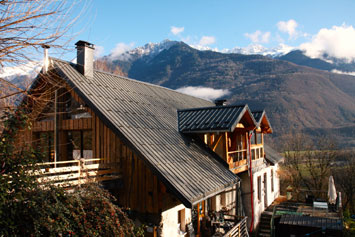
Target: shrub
column 85, row 211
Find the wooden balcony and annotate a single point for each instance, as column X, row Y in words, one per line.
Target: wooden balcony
column 237, row 160
column 77, row 172
column 231, row 226
column 68, row 124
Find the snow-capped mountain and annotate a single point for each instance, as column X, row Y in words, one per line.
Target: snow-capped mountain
column 148, row 51
column 30, row 69
column 278, row 51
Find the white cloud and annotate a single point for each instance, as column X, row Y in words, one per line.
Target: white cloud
column 341, row 72
column 207, row 40
column 119, row 51
column 258, row 36
column 288, row 27
column 206, row 93
column 336, row 42
column 176, row 30
column 99, row 51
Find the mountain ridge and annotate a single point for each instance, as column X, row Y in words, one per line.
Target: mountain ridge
column 295, row 97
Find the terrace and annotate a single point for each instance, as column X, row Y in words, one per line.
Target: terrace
column 314, row 216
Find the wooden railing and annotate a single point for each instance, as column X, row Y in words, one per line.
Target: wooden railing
column 239, row 229
column 237, row 160
column 77, row 172
column 67, row 124
column 238, row 155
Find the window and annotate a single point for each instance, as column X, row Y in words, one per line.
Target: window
column 236, row 141
column 258, row 138
column 253, row 139
column 46, row 145
column 181, row 219
column 259, row 188
column 80, row 144
column 272, row 180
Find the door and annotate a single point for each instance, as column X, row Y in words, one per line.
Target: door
column 265, row 190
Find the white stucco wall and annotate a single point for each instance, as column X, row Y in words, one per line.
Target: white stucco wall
column 259, row 206
column 226, row 199
column 169, row 220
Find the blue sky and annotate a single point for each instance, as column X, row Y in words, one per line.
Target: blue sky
column 215, row 24
column 315, row 26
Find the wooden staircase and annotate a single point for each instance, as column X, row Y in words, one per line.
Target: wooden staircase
column 264, row 229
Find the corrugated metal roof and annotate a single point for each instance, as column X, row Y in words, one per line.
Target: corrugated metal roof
column 312, row 221
column 145, row 117
column 211, row 119
column 259, row 116
column 271, row 155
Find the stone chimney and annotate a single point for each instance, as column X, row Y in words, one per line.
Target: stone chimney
column 45, row 59
column 85, row 58
column 220, row 102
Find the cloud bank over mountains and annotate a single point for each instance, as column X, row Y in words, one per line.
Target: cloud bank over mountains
column 119, row 52
column 337, row 42
column 206, row 93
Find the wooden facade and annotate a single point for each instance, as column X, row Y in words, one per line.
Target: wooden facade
column 137, row 189
column 225, row 145
column 69, row 131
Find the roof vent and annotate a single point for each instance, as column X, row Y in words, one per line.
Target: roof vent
column 220, row 102
column 85, row 58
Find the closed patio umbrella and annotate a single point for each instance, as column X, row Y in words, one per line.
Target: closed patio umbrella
column 332, row 194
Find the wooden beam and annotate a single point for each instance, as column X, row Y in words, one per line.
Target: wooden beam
column 225, row 148
column 198, row 220
column 240, row 125
column 216, row 141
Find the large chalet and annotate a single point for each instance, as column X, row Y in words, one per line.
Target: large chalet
column 181, row 163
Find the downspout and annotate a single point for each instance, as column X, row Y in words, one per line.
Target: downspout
column 251, row 184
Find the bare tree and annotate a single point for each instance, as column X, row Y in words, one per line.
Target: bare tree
column 343, row 172
column 107, row 66
column 26, row 26
column 308, row 164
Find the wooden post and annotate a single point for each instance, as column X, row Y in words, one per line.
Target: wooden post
column 155, row 234
column 198, row 220
column 225, row 147
column 55, row 128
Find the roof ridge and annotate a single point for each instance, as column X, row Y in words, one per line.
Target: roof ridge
column 131, row 79
column 213, row 107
